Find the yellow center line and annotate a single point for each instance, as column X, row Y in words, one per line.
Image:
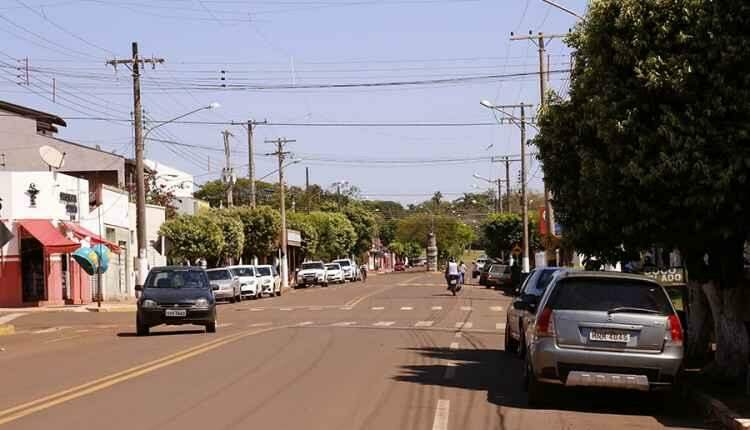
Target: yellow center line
column 22, row 410
column 355, row 302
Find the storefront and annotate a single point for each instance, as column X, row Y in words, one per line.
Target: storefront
column 39, row 222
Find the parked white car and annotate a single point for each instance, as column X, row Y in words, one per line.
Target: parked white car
column 351, row 271
column 311, row 273
column 269, row 279
column 248, row 280
column 334, row 274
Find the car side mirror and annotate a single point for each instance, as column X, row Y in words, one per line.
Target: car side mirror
column 139, row 287
column 214, row 287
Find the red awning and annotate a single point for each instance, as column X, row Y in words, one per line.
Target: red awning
column 51, row 239
column 81, row 233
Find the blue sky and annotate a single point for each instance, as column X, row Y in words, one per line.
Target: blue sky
column 287, row 42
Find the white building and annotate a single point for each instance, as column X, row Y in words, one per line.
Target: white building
column 170, row 179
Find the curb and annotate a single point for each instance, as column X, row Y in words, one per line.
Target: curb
column 717, row 410
column 112, row 309
column 7, row 329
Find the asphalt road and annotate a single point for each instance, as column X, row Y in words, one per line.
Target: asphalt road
column 395, row 353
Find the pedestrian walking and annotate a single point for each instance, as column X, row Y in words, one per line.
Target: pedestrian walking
column 363, row 270
column 462, row 272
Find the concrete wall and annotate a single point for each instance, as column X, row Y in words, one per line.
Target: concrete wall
column 20, row 143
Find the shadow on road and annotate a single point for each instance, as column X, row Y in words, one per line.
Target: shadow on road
column 163, row 333
column 500, row 375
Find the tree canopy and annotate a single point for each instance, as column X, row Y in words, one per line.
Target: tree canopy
column 192, row 237
column 262, row 228
column 503, row 231
column 336, row 236
column 653, row 145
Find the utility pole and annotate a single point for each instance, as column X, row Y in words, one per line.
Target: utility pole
column 539, row 40
column 280, row 142
column 499, row 207
column 140, row 186
column 228, row 171
column 525, row 261
column 251, row 158
column 507, row 181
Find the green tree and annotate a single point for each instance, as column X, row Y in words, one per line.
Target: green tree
column 336, row 237
column 502, row 232
column 365, row 226
column 262, row 227
column 653, row 148
column 387, row 230
column 452, row 236
column 192, row 237
column 233, row 232
column 301, row 221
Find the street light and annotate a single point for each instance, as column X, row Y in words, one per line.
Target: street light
column 210, row 106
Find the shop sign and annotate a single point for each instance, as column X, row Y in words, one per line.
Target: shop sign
column 68, row 198
column 668, row 276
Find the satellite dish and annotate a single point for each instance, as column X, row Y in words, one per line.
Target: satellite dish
column 52, row 157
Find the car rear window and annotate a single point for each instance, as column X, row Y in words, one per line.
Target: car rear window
column 264, row 271
column 343, row 263
column 218, row 275
column 243, row 271
column 607, row 294
column 499, row 269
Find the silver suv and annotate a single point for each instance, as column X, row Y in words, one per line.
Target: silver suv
column 602, row 329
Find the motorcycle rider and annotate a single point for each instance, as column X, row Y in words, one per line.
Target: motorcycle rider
column 451, row 271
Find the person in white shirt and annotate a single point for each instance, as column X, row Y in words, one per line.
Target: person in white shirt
column 451, row 271
column 462, row 272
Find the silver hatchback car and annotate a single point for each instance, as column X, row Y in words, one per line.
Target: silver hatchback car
column 602, row 329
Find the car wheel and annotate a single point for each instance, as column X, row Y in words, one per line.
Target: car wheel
column 232, row 300
column 521, row 346
column 211, row 327
column 239, row 297
column 141, row 329
column 511, row 345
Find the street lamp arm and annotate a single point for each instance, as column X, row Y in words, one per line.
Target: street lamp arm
column 564, row 9
column 210, row 106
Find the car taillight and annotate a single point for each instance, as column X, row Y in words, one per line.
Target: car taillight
column 545, row 324
column 674, row 326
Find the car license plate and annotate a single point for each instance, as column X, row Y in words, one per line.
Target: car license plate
column 609, row 336
column 176, row 312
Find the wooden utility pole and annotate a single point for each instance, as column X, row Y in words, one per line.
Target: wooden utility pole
column 140, row 187
column 228, row 171
column 251, row 158
column 507, row 181
column 539, row 39
column 281, row 154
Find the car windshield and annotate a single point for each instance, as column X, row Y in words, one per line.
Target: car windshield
column 309, row 266
column 496, row 268
column 177, row 279
column 243, row 271
column 344, row 263
column 333, row 267
column 264, row 271
column 609, row 294
column 219, row 275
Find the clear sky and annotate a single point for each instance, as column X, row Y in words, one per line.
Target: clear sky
column 292, row 43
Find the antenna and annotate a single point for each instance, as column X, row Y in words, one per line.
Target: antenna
column 52, row 157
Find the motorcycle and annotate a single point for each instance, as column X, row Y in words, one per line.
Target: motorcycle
column 453, row 285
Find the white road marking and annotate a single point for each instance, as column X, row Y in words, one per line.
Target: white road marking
column 496, row 308
column 465, row 308
column 377, row 308
column 459, row 334
column 454, row 345
column 450, row 370
column 346, row 308
column 500, row 326
column 407, row 308
column 60, row 339
column 424, row 323
column 285, row 309
column 50, row 330
column 224, row 325
column 261, row 324
column 384, row 323
column 10, row 317
column 442, row 413
column 256, row 309
column 315, row 308
column 437, row 308
column 466, row 325
column 302, row 324
column 344, row 323
column 82, row 331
